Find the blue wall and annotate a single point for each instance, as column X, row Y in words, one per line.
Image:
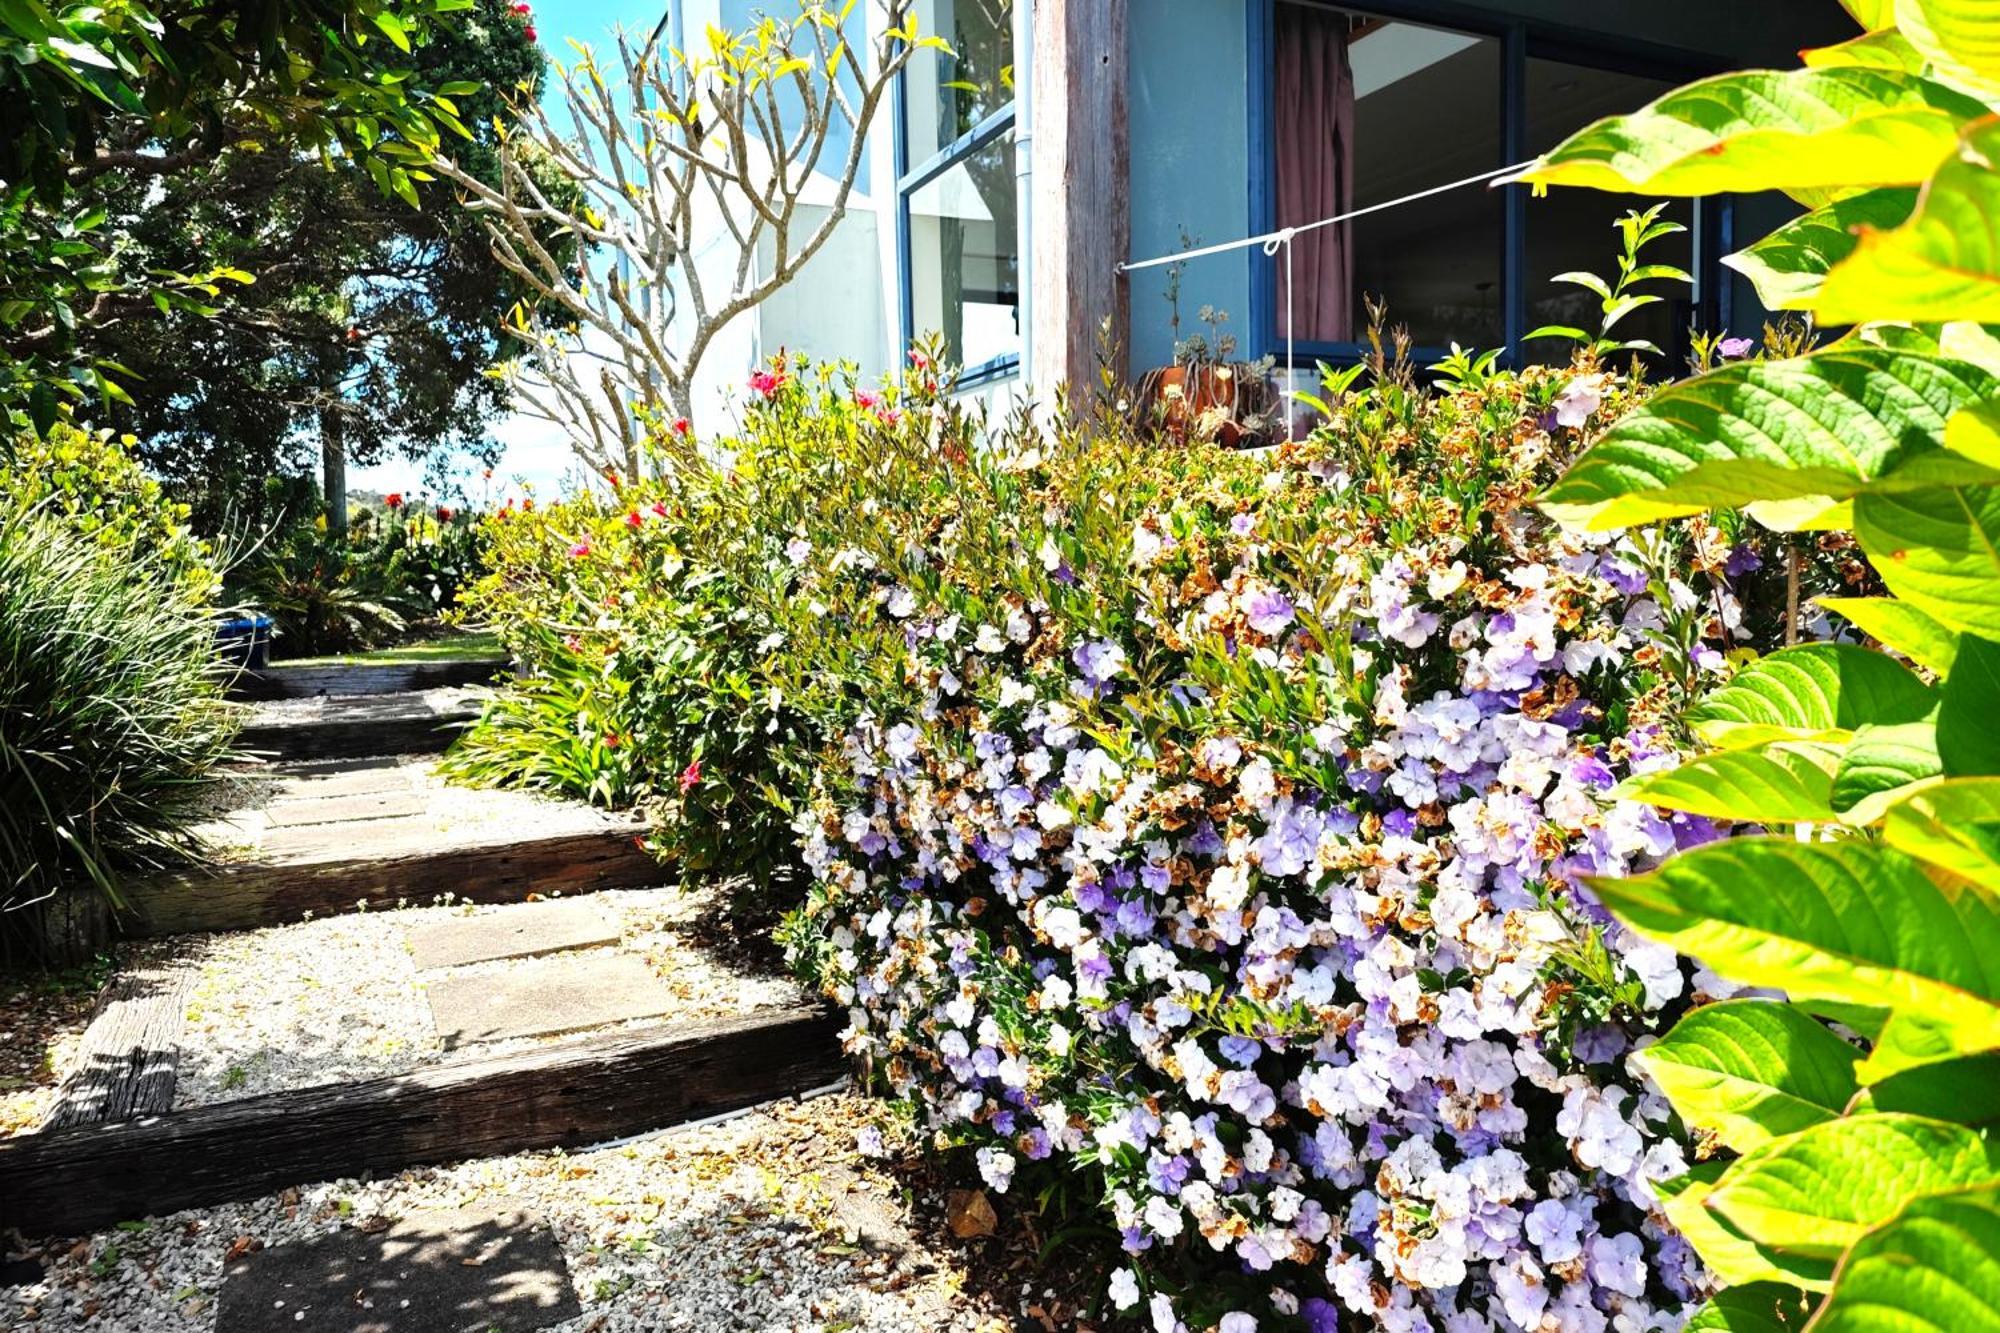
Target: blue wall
column 1187, row 109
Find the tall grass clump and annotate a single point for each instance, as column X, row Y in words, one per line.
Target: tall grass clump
column 111, row 722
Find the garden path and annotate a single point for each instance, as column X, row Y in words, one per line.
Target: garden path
column 521, row 991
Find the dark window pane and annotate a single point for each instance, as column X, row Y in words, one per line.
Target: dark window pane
column 1424, row 111
column 950, row 93
column 1570, row 230
column 965, row 256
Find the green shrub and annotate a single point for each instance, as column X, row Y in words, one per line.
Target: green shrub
column 110, row 719
column 94, row 482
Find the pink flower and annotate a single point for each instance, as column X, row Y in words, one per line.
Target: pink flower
column 530, row 31
column 633, row 520
column 659, row 509
column 766, row 383
column 690, row 777
column 919, row 360
column 580, row 550
column 867, row 401
column 890, row 416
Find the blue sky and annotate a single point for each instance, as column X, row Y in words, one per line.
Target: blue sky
column 535, row 450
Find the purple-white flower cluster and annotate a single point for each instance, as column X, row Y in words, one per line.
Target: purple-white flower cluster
column 1262, row 902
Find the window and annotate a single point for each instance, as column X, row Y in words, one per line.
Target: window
column 1360, row 109
column 960, row 244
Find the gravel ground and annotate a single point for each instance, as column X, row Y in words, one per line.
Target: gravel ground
column 41, row 1025
column 767, row 1221
column 339, row 999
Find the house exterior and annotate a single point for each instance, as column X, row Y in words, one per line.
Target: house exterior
column 1001, row 194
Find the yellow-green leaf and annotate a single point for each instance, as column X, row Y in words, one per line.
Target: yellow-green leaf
column 1851, row 921
column 1788, row 265
column 1943, row 263
column 1939, row 550
column 1960, row 37
column 1932, row 1268
column 1816, row 1192
column 1813, row 692
column 1780, row 785
column 1899, row 626
column 1751, row 433
column 1886, row 49
column 1799, row 130
column 1752, row 1070
column 1730, row 1256
column 1954, row 825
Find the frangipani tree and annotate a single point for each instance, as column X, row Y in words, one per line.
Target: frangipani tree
column 686, row 164
column 1855, row 1186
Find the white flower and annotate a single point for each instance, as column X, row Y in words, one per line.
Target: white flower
column 1124, row 1289
column 996, row 1168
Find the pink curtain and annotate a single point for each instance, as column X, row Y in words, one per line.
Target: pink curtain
column 1313, row 105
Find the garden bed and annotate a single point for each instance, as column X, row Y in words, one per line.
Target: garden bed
column 42, row 1021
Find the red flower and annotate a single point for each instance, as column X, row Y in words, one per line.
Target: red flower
column 530, row 31
column 444, row 513
column 682, row 425
column 690, row 777
column 611, row 475
column 520, row 8
column 659, row 509
column 766, row 383
column 394, row 499
column 580, row 550
column 890, row 416
column 633, row 520
column 610, row 740
column 867, row 401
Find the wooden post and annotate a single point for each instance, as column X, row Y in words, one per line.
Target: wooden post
column 1081, row 225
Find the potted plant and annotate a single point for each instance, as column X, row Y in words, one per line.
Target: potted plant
column 1206, row 393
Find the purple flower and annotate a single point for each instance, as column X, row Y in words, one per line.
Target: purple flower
column 1268, row 611
column 1742, row 559
column 1735, row 349
column 1099, row 660
column 1579, row 398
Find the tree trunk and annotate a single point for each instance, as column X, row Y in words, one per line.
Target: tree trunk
column 333, row 468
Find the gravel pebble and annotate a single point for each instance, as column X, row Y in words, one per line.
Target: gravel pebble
column 768, row 1220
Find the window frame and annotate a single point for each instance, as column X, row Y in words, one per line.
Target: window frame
column 1520, row 39
column 913, row 177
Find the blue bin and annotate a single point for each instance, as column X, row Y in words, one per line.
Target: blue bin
column 244, row 642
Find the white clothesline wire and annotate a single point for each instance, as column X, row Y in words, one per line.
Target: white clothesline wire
column 1273, row 241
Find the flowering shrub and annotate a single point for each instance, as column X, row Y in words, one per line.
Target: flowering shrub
column 1212, row 827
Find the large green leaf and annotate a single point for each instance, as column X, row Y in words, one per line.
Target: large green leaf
column 1938, row 550
column 1880, row 764
column 1805, row 129
column 1954, row 824
column 1968, row 725
column 1965, row 1090
column 1788, row 265
column 1943, row 263
column 1932, row 1268
column 1887, row 49
column 1851, row 921
column 1750, row 1070
column 1786, row 785
column 1814, row 692
column 1731, row 1257
column 1752, row 433
column 1900, row 626
column 1816, row 1192
column 1911, row 1040
column 1755, row 1307
column 1960, row 37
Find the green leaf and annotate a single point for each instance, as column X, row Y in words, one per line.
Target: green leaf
column 1899, row 626
column 1816, row 1192
column 1786, row 267
column 1879, row 763
column 1954, row 825
column 392, row 27
column 1851, row 921
column 1910, row 1040
column 1799, row 130
column 1751, row 1070
column 1814, row 692
column 1941, row 264
column 1730, row 1256
column 1774, row 786
column 1934, row 1267
column 1754, row 1307
column 1968, row 725
column 1938, row 550
column 1965, row 1091
column 1887, row 49
column 1754, row 432
column 1960, row 37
